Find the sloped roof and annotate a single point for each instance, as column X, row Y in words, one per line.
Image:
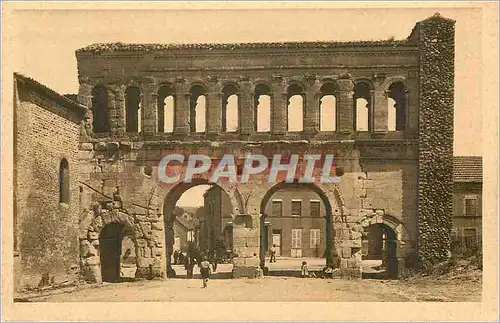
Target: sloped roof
column 185, row 223
column 468, row 169
column 66, row 101
column 122, row 47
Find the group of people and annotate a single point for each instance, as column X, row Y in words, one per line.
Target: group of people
column 207, row 262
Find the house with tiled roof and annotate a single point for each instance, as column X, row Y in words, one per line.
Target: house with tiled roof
column 467, row 199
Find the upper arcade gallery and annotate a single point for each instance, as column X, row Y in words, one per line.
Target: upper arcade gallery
column 324, row 106
column 261, row 90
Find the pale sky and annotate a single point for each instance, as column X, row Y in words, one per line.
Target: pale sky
column 45, row 41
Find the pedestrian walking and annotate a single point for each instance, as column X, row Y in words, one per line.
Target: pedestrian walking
column 205, row 271
column 213, row 260
column 189, row 265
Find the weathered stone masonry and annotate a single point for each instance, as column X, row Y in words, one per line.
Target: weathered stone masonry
column 399, row 178
column 386, row 174
column 436, row 82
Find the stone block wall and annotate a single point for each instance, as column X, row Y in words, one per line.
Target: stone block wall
column 106, row 166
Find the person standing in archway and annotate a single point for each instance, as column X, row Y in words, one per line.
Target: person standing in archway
column 273, row 253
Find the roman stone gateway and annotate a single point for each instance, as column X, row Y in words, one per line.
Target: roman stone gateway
column 389, row 125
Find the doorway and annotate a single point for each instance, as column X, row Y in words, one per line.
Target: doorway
column 379, row 252
column 277, row 241
column 110, row 246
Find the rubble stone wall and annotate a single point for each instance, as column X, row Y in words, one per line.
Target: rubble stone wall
column 436, row 82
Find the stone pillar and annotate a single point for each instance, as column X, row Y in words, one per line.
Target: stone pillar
column 348, row 246
column 112, row 113
column 246, row 246
column 246, row 108
column 213, row 109
column 278, row 108
column 311, row 109
column 345, row 104
column 181, row 124
column 148, row 108
column 85, row 94
column 380, row 110
column 85, row 98
column 120, row 109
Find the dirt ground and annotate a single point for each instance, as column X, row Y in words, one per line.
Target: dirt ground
column 446, row 289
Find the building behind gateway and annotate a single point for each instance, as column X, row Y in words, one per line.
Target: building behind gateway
column 146, row 100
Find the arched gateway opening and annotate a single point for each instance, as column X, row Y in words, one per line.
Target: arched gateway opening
column 296, row 225
column 198, row 223
column 115, row 249
column 379, row 247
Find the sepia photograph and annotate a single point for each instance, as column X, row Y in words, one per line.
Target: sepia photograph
column 310, row 158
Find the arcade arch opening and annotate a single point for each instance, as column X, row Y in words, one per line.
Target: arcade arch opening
column 198, row 224
column 297, row 226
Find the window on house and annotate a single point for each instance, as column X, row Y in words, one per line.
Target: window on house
column 471, row 205
column 296, row 207
column 315, row 207
column 314, row 238
column 296, row 238
column 277, row 208
column 470, row 237
column 64, row 181
column 190, row 235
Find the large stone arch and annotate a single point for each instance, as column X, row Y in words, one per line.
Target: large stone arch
column 147, row 239
column 330, row 192
column 173, row 192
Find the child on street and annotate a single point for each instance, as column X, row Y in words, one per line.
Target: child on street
column 205, row 271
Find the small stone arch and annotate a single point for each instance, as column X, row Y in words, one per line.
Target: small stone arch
column 328, row 79
column 198, row 83
column 148, row 242
column 132, row 82
column 403, row 238
column 391, row 80
column 258, row 82
column 294, row 81
column 364, row 80
column 231, row 83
